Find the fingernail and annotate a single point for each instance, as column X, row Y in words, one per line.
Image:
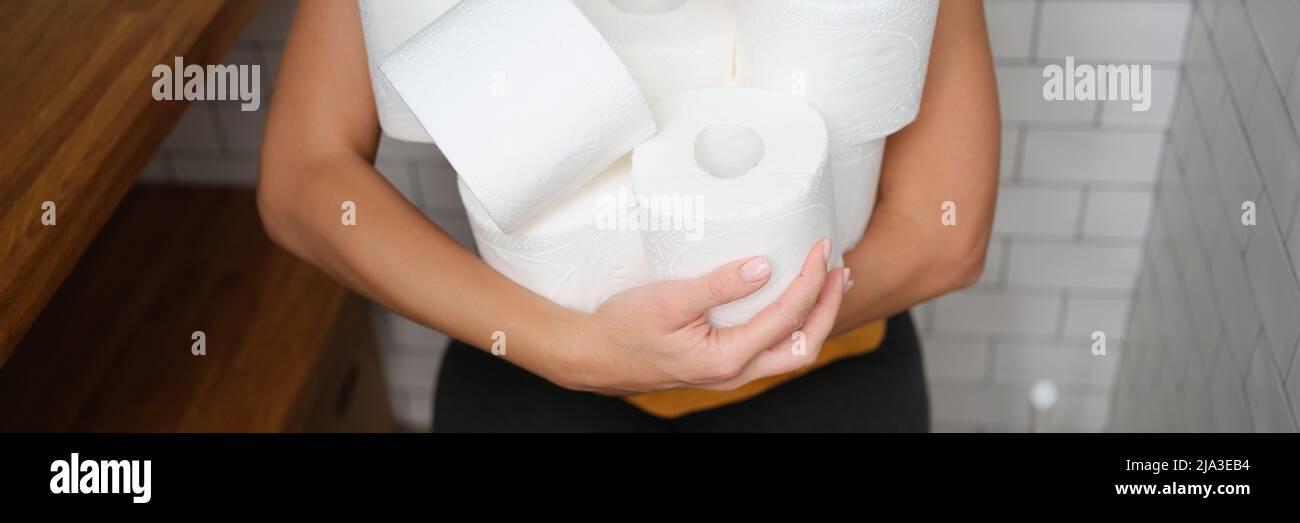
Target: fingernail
column 847, row 282
column 826, row 249
column 755, row 269
column 847, row 286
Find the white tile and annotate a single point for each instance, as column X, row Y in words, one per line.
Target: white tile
column 979, row 404
column 993, row 263
column 1020, row 97
column 1204, row 75
column 1008, row 407
column 1231, row 414
column 1086, row 314
column 1234, row 168
column 1164, row 92
column 394, row 330
column 1276, row 25
column 1276, row 150
column 1277, row 296
column 401, row 174
column 414, row 410
column 1208, row 9
column 990, row 312
column 441, row 194
column 1239, row 53
column 392, row 150
column 1066, row 265
column 1268, row 402
column 1198, row 405
column 218, row 172
column 1065, row 364
column 1293, row 95
column 1293, row 389
column 1151, row 31
column 1010, row 153
column 243, row 129
column 1010, row 26
column 1201, row 305
column 1022, row 210
column 1091, row 156
column 921, row 316
column 1241, row 320
column 948, row 358
column 1122, row 214
column 411, row 369
column 195, row 131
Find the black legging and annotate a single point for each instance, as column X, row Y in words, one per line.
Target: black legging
column 883, row 391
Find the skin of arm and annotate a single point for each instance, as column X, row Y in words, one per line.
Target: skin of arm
column 317, row 153
column 948, row 154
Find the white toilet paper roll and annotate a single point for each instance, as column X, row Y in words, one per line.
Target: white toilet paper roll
column 386, row 24
column 706, row 210
column 577, row 253
column 670, row 46
column 856, row 171
column 861, row 63
column 525, row 99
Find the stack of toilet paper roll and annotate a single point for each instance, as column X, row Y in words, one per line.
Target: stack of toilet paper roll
column 577, row 253
column 753, row 163
column 770, row 118
column 387, row 24
column 670, row 46
column 860, row 63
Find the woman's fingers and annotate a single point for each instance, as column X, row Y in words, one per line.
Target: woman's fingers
column 685, row 301
column 802, row 347
column 777, row 321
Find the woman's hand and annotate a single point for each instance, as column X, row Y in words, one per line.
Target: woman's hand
column 658, row 336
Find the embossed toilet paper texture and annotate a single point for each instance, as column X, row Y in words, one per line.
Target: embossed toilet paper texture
column 862, row 64
column 670, row 46
column 387, row 24
column 525, row 99
column 577, row 253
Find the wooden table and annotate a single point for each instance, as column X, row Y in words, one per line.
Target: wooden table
column 78, row 123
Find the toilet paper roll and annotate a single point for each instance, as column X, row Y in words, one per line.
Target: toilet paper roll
column 734, row 173
column 579, row 252
column 670, row 46
column 386, row 24
column 861, row 63
column 856, row 171
column 525, row 99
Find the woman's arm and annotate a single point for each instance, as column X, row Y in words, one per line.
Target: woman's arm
column 320, row 141
column 950, row 153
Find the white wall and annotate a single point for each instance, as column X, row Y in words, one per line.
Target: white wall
column 1214, row 327
column 1073, row 206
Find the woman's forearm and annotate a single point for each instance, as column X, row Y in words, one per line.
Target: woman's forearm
column 397, row 257
column 909, row 254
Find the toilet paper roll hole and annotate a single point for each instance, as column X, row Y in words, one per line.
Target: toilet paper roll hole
column 728, row 150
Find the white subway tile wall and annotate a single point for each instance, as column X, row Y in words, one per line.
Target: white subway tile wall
column 1077, row 186
column 1074, row 207
column 1212, row 338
